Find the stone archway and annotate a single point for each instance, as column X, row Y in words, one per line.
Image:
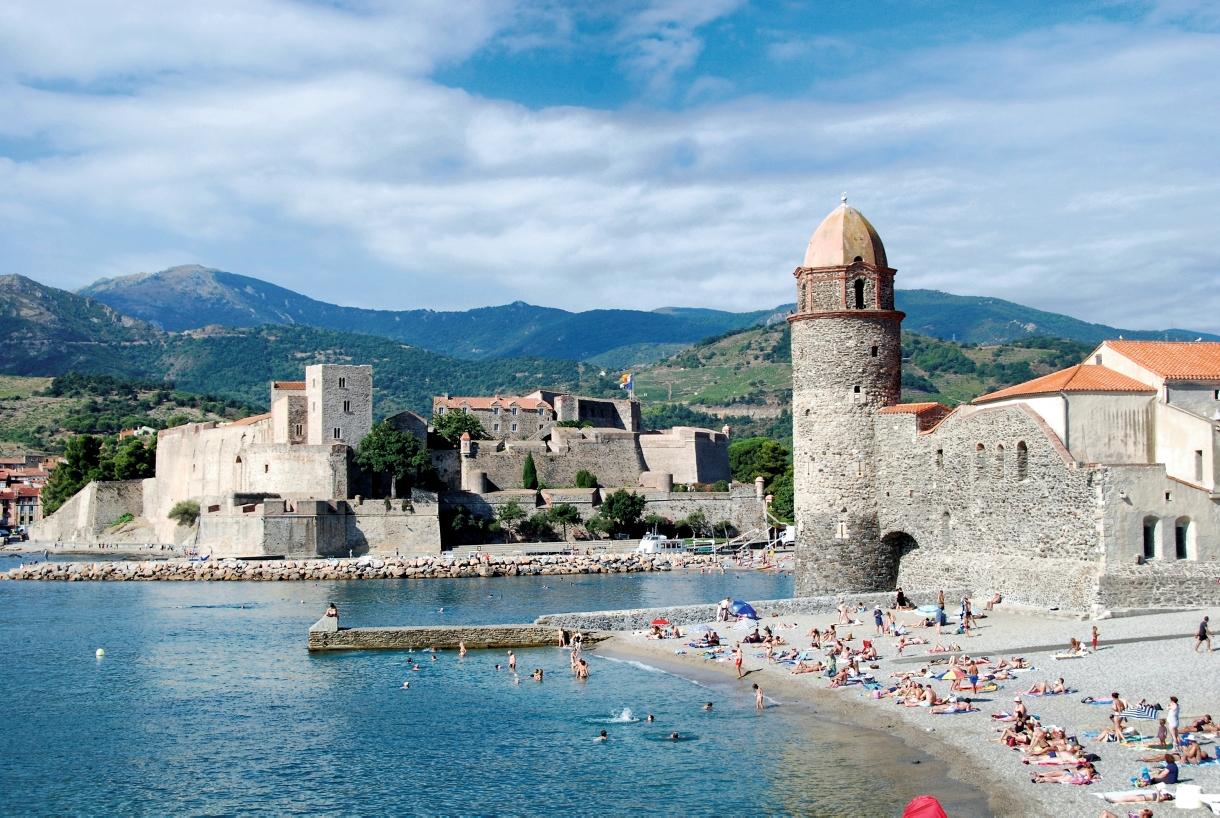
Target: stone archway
column 897, row 545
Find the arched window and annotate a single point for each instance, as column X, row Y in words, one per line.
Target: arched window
column 946, row 528
column 999, row 461
column 1022, row 460
column 873, row 352
column 859, row 287
column 980, row 461
column 1183, row 539
column 1150, row 532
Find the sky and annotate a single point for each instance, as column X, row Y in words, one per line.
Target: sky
column 639, row 154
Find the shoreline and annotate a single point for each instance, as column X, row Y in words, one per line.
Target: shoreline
column 1002, row 799
column 1147, row 656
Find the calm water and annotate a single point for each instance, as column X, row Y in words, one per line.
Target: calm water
column 207, row 703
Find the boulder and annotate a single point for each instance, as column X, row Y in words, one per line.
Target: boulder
column 327, row 624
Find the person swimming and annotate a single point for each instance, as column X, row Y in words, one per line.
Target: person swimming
column 651, row 718
column 674, row 736
column 602, row 736
column 707, row 706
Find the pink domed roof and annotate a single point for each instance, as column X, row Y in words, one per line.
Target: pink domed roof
column 842, row 237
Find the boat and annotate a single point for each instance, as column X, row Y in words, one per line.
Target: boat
column 655, row 543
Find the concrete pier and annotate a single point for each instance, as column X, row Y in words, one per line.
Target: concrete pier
column 441, row 637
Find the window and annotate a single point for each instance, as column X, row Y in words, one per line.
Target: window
column 980, row 461
column 514, row 410
column 298, row 430
column 495, row 410
column 1216, row 395
column 1198, row 465
column 859, row 288
column 1183, row 533
column 440, row 410
column 347, row 407
column 514, row 427
column 1097, row 360
column 1150, row 538
column 873, row 352
column 495, row 427
column 337, row 433
column 940, row 458
column 266, row 468
column 1022, row 460
column 856, row 389
column 841, row 530
column 343, row 383
column 999, row 460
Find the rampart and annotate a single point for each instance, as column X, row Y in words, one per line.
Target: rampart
column 93, row 509
column 474, row 637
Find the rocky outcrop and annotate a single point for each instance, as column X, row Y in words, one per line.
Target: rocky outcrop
column 344, row 569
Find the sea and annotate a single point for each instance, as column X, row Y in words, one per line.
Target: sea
column 206, row 702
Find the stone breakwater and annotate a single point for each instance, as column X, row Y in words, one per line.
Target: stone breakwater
column 352, row 569
column 474, row 637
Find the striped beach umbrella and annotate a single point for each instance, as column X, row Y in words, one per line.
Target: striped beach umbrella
column 1142, row 711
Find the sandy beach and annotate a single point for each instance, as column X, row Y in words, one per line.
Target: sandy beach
column 1141, row 657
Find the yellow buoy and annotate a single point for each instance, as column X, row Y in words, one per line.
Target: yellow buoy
column 99, row 653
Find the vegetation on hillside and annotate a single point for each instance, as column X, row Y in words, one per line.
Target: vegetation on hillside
column 88, row 458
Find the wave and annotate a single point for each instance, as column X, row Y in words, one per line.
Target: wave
column 650, row 668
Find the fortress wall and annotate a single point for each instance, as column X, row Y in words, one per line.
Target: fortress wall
column 615, row 461
column 976, row 522
column 448, row 465
column 1135, row 493
column 91, row 510
column 690, row 455
column 404, row 528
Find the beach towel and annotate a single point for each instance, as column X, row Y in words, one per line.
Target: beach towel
column 1142, row 711
column 1049, row 693
column 954, row 712
column 1112, row 797
column 1095, row 702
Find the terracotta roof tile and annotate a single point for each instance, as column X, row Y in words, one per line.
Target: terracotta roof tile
column 501, row 401
column 1174, row 360
column 1079, row 378
column 298, row 386
column 251, row 420
column 913, row 408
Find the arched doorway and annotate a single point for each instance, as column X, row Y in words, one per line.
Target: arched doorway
column 897, row 545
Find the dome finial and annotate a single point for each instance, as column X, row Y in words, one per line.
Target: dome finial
column 843, row 198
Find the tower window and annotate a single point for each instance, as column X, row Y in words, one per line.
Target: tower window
column 337, row 433
column 859, row 287
column 841, row 530
column 1198, row 465
column 1022, row 460
column 940, row 458
column 298, row 430
column 873, row 352
column 347, row 406
column 856, row 389
column 343, row 383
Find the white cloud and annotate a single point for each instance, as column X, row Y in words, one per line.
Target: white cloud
column 1072, row 169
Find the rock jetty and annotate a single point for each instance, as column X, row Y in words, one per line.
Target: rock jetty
column 441, row 567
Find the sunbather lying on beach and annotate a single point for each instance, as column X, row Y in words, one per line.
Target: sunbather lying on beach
column 1204, row 724
column 1139, row 798
column 1192, row 753
column 802, row 667
column 944, row 648
column 960, row 706
column 1083, row 775
column 1015, row 662
column 1117, row 732
column 1045, row 688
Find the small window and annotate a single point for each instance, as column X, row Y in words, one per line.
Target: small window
column 856, row 389
column 347, row 406
column 440, row 410
column 1097, row 359
column 495, row 410
column 514, row 427
column 841, row 530
column 343, row 383
column 1022, row 460
column 266, row 468
column 1216, row 395
column 495, row 427
column 514, row 410
column 337, row 433
column 1169, row 497
column 873, row 352
column 298, row 430
column 940, row 458
column 859, row 291
column 1198, row 465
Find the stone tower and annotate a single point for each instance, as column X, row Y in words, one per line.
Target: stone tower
column 846, row 364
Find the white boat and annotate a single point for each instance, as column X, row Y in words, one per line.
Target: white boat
column 656, row 544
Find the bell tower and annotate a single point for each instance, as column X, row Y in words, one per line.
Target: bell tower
column 846, row 364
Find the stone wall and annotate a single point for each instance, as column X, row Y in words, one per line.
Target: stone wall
column 348, row 408
column 1144, row 494
column 90, row 511
column 690, row 455
column 1160, row 585
column 1016, row 515
column 640, row 618
column 441, row 637
column 404, row 528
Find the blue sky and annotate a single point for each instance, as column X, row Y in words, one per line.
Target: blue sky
column 639, row 154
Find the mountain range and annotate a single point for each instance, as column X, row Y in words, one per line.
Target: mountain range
column 191, row 297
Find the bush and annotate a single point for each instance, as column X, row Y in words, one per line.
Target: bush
column 123, row 519
column 529, row 473
column 185, row 512
column 586, row 479
column 720, row 485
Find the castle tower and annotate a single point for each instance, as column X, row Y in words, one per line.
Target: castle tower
column 846, row 364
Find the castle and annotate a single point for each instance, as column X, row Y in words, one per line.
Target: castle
column 1091, row 488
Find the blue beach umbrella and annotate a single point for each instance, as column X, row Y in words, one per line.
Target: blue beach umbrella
column 739, row 608
column 931, row 609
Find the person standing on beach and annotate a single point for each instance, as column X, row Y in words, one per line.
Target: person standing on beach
column 1173, row 717
column 759, row 701
column 1094, row 637
column 1203, row 637
column 879, row 620
column 737, row 659
column 722, row 612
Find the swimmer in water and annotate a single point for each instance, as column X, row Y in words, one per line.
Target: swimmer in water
column 406, row 684
column 512, row 661
column 650, row 718
column 497, row 665
column 602, row 736
column 434, row 657
column 759, row 702
column 707, row 706
column 674, row 736
column 461, row 648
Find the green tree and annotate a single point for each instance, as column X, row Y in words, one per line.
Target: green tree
column 597, row 525
column 452, row 425
column 510, row 516
column 623, row 509
column 529, row 473
column 695, row 523
column 538, row 527
column 398, row 455
column 586, row 479
column 755, row 457
column 185, row 512
column 782, row 502
column 132, row 458
column 82, row 463
column 565, row 514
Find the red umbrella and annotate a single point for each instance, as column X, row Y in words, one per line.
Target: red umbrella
column 924, row 806
column 660, row 621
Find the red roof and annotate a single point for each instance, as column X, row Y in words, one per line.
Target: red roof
column 298, row 386
column 1079, row 378
column 914, row 408
column 250, row 420
column 502, row 402
column 1174, row 360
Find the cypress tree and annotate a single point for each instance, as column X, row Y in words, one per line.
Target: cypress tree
column 529, row 473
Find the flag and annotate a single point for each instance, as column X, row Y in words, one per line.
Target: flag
column 625, row 382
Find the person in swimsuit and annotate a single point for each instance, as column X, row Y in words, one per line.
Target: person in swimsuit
column 759, row 701
column 461, row 648
column 1173, row 715
column 737, row 660
column 332, row 611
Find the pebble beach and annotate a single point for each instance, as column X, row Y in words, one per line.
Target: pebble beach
column 1141, row 657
